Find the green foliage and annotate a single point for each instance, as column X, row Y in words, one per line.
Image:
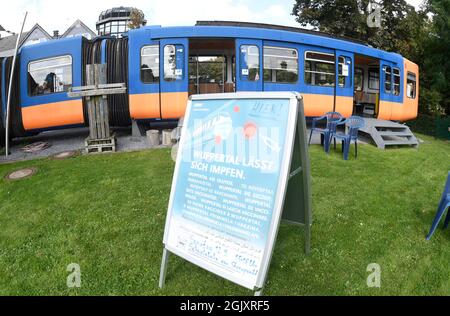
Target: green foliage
column 421, row 36
column 430, row 101
column 211, row 70
column 436, row 64
column 424, row 124
column 399, row 23
column 137, row 19
column 339, row 17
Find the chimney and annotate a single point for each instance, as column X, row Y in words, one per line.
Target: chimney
column 56, row 34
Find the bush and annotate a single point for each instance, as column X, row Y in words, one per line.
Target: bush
column 432, row 125
column 424, row 124
column 430, row 101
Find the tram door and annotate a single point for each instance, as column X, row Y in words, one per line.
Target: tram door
column 173, row 77
column 211, row 65
column 249, row 65
column 386, row 90
column 344, row 78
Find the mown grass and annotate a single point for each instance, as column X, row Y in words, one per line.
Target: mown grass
column 107, row 213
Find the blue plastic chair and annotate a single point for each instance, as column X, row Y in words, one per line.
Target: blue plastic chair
column 354, row 123
column 443, row 205
column 332, row 119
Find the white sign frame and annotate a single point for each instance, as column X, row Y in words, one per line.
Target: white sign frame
column 285, row 168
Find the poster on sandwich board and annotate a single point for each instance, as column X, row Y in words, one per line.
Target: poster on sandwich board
column 229, row 185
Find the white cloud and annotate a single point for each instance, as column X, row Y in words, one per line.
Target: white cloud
column 59, row 15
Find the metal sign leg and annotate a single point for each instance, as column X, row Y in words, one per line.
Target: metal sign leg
column 259, row 292
column 307, row 237
column 164, row 263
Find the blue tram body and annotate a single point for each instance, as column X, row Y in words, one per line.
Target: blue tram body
column 162, row 66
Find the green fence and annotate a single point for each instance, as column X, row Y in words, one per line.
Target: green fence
column 443, row 127
column 437, row 126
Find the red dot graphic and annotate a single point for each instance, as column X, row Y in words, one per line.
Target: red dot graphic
column 218, row 139
column 249, row 130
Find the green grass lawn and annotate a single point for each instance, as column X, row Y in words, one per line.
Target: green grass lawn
column 107, row 213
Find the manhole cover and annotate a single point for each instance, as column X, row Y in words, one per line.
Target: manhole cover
column 64, row 154
column 20, row 174
column 35, row 147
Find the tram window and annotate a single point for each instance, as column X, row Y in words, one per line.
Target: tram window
column 343, row 70
column 207, row 69
column 374, row 79
column 396, row 81
column 173, row 62
column 319, row 69
column 280, row 64
column 359, row 79
column 387, row 79
column 150, row 64
column 411, row 85
column 250, row 62
column 51, row 75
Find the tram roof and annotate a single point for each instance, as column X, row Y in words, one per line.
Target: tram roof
column 269, row 32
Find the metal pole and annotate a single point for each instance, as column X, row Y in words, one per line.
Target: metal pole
column 10, row 86
column 197, row 79
column 223, row 74
column 259, row 292
column 163, row 271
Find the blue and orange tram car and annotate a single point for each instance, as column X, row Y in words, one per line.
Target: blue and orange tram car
column 163, row 66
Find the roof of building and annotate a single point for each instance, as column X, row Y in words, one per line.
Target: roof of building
column 8, row 44
column 76, row 24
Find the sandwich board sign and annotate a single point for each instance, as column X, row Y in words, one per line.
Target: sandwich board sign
column 241, row 167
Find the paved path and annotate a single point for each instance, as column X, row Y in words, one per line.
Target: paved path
column 69, row 139
column 73, row 139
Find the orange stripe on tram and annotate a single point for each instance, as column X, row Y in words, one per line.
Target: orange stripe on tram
column 53, row 114
column 344, row 105
column 317, row 104
column 144, row 106
column 173, row 104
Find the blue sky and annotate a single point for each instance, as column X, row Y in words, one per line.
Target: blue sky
column 59, row 15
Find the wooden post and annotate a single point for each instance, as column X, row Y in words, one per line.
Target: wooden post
column 90, row 81
column 97, row 105
column 100, row 74
column 95, row 93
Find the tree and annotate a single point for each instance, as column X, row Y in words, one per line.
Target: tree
column 338, row 17
column 436, row 65
column 421, row 36
column 137, row 19
column 399, row 21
